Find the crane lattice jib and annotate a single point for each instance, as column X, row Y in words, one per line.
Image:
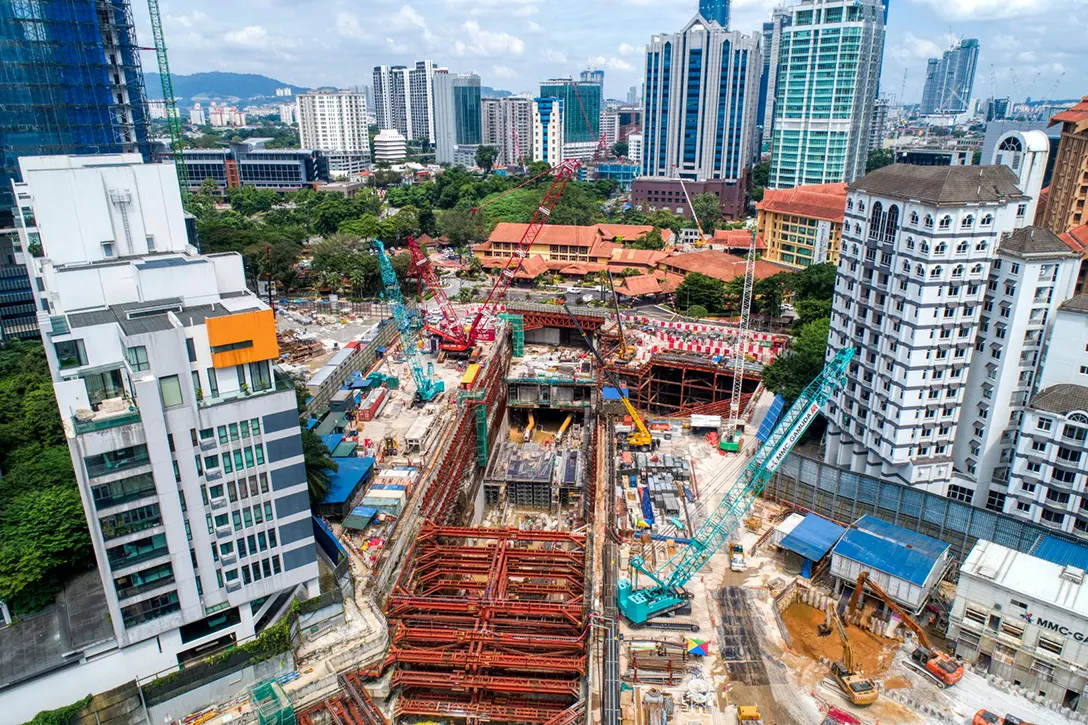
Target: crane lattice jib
column 426, row 386
column 671, row 577
column 451, row 327
column 564, row 173
column 173, row 120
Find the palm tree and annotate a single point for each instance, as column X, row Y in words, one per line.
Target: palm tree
column 318, row 465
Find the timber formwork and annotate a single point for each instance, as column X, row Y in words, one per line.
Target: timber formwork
column 490, row 625
column 684, row 384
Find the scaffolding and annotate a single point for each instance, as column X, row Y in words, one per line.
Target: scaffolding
column 271, row 704
column 72, row 83
column 517, row 330
column 481, row 436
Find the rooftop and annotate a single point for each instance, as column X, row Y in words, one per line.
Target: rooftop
column 1076, row 238
column 813, row 537
column 344, row 481
column 1062, row 399
column 892, row 549
column 1034, row 241
column 1076, row 304
column 719, row 265
column 942, row 185
column 1078, row 115
column 1060, row 551
column 1018, row 572
column 818, row 201
column 142, row 317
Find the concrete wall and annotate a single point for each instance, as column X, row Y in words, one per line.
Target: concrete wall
column 221, row 690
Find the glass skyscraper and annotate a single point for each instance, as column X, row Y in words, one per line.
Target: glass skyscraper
column 950, row 78
column 716, row 11
column 828, row 77
column 576, row 129
column 457, row 117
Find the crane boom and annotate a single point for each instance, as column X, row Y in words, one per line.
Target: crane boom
column 639, row 437
column 878, row 591
column 666, row 592
column 427, row 388
column 564, row 173
column 451, row 327
column 173, row 121
column 847, row 652
column 624, row 354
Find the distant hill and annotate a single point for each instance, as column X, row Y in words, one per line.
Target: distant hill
column 489, row 92
column 216, row 85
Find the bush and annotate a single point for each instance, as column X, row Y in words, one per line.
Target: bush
column 697, row 311
column 60, row 716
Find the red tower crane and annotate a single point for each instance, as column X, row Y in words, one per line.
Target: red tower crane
column 451, row 328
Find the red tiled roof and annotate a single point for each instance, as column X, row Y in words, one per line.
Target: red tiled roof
column 578, row 268
column 532, row 267
column 719, row 265
column 1076, row 238
column 735, row 239
column 623, row 258
column 821, row 201
column 601, row 248
column 637, row 286
column 1078, row 114
column 629, row 232
column 575, row 236
column 669, row 281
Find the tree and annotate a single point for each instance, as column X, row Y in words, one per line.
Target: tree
column 575, row 207
column 620, row 149
column 367, row 226
column 816, row 281
column 761, row 173
column 699, row 289
column 318, row 463
column 650, row 240
column 461, row 227
column 879, row 158
column 466, row 294
column 708, row 209
column 800, row 363
column 696, row 311
column 485, row 157
column 768, row 293
column 385, row 177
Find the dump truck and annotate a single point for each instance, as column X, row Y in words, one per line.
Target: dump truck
column 736, row 558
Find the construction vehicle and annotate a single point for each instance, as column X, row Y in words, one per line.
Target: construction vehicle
column 462, row 344
column 736, row 558
column 640, row 437
column 748, row 713
column 625, row 353
column 825, row 627
column 858, row 689
column 939, row 667
column 985, row 717
column 427, row 386
column 666, row 591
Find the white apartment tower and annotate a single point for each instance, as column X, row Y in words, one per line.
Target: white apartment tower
column 909, row 293
column 421, row 101
column 404, row 99
column 336, row 123
column 548, row 130
column 183, row 434
column 508, row 126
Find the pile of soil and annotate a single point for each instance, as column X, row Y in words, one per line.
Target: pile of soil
column 872, row 654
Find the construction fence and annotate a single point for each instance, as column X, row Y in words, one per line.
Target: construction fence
column 844, row 496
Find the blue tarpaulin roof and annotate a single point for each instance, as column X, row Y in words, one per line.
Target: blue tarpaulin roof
column 1058, row 551
column 360, row 517
column 900, row 552
column 771, row 419
column 332, row 440
column 609, row 392
column 813, row 537
column 344, row 482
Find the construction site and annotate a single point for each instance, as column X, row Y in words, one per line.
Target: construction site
column 547, row 523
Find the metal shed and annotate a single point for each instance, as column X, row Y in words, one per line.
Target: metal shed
column 811, row 539
column 905, row 563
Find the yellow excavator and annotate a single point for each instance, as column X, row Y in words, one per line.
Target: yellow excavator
column 640, row 437
column 859, row 689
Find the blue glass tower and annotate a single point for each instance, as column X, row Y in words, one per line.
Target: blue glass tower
column 71, row 83
column 716, row 11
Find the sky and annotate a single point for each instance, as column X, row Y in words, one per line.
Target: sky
column 514, row 44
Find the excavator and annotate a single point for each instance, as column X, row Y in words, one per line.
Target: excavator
column 859, row 689
column 943, row 669
column 640, row 437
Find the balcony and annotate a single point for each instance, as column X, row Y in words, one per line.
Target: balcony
column 223, row 532
column 214, row 475
column 208, row 444
column 234, row 586
column 100, row 420
column 228, row 559
column 134, row 591
column 280, row 383
column 218, row 503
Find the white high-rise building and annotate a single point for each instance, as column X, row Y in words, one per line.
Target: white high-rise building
column 548, row 130
column 183, row 434
column 336, row 124
column 634, row 147
column 457, row 117
column 421, row 101
column 389, row 145
column 828, row 76
column 196, row 115
column 392, row 89
column 700, row 104
column 912, row 280
column 508, row 126
column 287, row 113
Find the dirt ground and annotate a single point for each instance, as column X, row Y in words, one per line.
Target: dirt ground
column 872, row 654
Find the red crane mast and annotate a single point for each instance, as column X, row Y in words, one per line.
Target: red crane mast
column 451, row 328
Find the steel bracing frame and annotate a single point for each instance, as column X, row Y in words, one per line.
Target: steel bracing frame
column 490, row 625
column 682, row 385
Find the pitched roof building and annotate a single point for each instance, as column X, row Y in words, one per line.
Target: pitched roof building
column 803, row 225
column 1067, row 195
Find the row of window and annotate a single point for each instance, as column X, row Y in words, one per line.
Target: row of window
column 243, row 518
column 252, row 572
column 249, row 545
column 233, row 460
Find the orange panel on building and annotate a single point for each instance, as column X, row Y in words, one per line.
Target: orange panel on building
column 257, row 328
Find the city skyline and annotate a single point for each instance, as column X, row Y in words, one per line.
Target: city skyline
column 516, row 45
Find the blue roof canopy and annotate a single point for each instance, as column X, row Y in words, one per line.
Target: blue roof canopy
column 770, row 419
column 892, row 549
column 813, row 537
column 332, row 440
column 352, row 472
column 1059, row 551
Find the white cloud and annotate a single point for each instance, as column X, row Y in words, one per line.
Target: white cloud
column 626, row 49
column 609, row 63
column 395, row 46
column 554, row 56
column 486, row 44
column 967, row 10
column 251, row 35
column 913, row 48
column 347, row 25
column 534, row 27
column 407, row 18
column 504, row 72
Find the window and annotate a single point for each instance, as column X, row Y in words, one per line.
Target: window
column 234, row 431
column 242, row 547
column 107, row 250
column 1011, row 630
column 960, row 493
column 137, row 358
column 929, row 222
column 227, row 467
column 946, row 222
column 237, row 520
column 276, row 564
column 247, row 517
column 1021, row 210
column 260, row 374
column 967, row 221
column 262, row 540
column 264, row 483
column 1050, row 645
column 190, row 348
column 1044, row 424
column 170, row 389
column 268, row 510
column 221, row 520
column 974, row 615
column 212, row 462
column 255, row 426
column 222, row 433
column 213, row 383
column 237, row 460
column 259, row 451
column 914, row 218
column 258, row 515
column 248, row 452
column 243, row 428
column 70, row 354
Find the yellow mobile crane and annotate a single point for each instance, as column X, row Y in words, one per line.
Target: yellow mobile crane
column 640, row 437
column 626, row 353
column 858, row 689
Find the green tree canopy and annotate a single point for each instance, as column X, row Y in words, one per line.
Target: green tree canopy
column 650, row 240
column 800, row 363
column 620, row 149
column 699, row 289
column 485, row 157
column 708, row 209
column 461, row 227
column 879, row 158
